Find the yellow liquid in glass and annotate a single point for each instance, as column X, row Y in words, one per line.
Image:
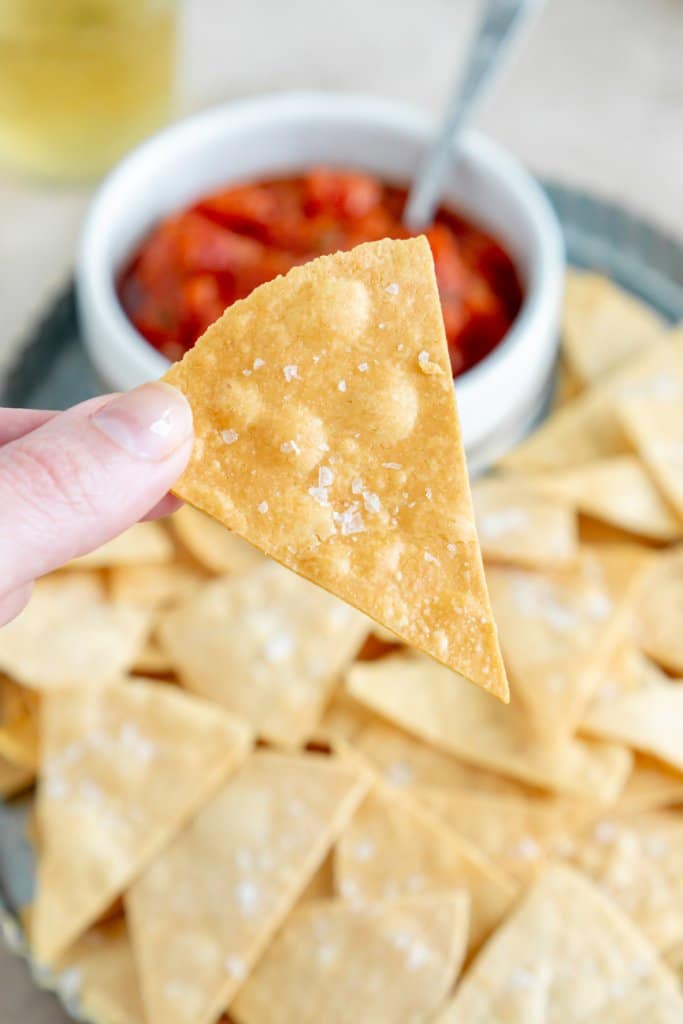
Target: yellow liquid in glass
column 82, row 80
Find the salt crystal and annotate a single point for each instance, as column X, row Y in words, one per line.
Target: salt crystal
column 391, row 465
column 229, row 436
column 291, row 372
column 248, row 898
column 290, row 446
column 325, row 477
column 429, row 557
column 350, row 521
column 356, row 485
column 417, row 956
column 363, row 367
column 278, row 648
column 392, row 288
column 262, row 507
column 342, row 385
column 258, row 363
column 381, row 326
column 323, row 447
column 423, row 358
column 320, row 495
column 371, row 501
column 235, row 966
column 428, row 493
column 247, row 373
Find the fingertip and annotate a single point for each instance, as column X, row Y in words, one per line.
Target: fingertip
column 150, row 423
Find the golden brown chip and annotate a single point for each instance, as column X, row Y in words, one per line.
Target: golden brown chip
column 393, row 848
column 437, row 705
column 205, row 910
column 19, row 732
column 212, row 545
column 123, row 767
column 394, row 962
column 557, row 632
column 588, row 428
column 603, row 325
column 99, row 972
column 659, row 612
column 321, row 885
column 655, row 427
column 269, row 646
column 14, row 778
column 328, row 436
column 69, row 635
column 143, row 543
column 574, row 944
column 617, row 491
column 518, row 526
column 649, row 720
column 637, row 861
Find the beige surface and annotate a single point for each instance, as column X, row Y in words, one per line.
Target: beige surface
column 596, row 101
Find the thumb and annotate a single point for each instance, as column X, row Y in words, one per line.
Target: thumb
column 86, row 475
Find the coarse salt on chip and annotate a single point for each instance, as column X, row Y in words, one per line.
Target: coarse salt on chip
column 655, row 426
column 123, row 767
column 394, row 848
column 69, row 635
column 566, row 938
column 268, row 645
column 435, row 704
column 142, row 544
column 617, row 491
column 393, row 962
column 603, row 325
column 589, row 428
column 637, row 861
column 205, row 910
column 519, row 526
column 363, row 489
column 212, row 545
column 98, row 974
column 649, row 720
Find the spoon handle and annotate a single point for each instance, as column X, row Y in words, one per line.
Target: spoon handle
column 499, row 26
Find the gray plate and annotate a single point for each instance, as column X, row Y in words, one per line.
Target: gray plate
column 53, row 372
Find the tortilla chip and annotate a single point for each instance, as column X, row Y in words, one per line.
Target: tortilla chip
column 321, row 885
column 557, row 632
column 153, row 659
column 69, row 635
column 154, row 586
column 212, row 545
column 328, row 436
column 393, row 848
column 621, row 567
column 628, row 671
column 651, row 787
column 143, row 543
column 99, row 972
column 207, row 908
column 437, row 705
column 639, row 1007
column 655, row 428
column 637, row 861
column 517, row 833
column 394, row 962
column 343, row 721
column 571, row 941
column 123, row 768
column 588, row 428
column 19, row 734
column 269, row 646
column 617, row 491
column 660, row 612
column 674, row 960
column 520, row 527
column 603, row 325
column 567, row 385
column 649, row 720
column 14, row 778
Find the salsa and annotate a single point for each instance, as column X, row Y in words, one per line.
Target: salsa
column 195, row 263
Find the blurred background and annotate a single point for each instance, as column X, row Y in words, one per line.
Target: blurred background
column 594, row 100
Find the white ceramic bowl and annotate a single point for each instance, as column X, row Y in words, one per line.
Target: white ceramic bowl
column 499, row 398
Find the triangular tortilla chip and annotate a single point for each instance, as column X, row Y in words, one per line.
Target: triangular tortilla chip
column 437, row 705
column 123, row 767
column 69, row 635
column 567, row 938
column 518, row 526
column 343, row 721
column 588, row 428
column 651, row 787
column 660, row 612
column 517, row 833
column 327, row 435
column 154, row 586
column 394, row 848
column 212, row 545
column 603, row 325
column 617, row 491
column 557, row 632
column 649, row 720
column 394, row 962
column 142, row 544
column 98, row 974
column 655, row 427
column 637, row 860
column 205, row 910
column 627, row 671
column 268, row 645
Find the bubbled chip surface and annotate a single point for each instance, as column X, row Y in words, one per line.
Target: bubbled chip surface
column 327, row 435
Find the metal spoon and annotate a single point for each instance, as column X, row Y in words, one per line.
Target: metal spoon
column 499, row 28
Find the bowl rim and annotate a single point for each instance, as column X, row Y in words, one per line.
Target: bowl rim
column 96, row 275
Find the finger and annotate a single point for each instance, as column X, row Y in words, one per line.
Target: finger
column 14, row 423
column 86, row 475
column 166, row 507
column 13, row 603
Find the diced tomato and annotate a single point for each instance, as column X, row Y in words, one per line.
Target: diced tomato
column 250, row 209
column 346, row 194
column 202, row 302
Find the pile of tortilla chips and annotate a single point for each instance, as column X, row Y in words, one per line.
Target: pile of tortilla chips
column 256, row 803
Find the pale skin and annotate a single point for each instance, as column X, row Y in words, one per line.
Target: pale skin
column 71, row 481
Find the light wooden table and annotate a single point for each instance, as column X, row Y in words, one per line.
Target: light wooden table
column 596, row 100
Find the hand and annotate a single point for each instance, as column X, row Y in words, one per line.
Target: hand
column 71, row 481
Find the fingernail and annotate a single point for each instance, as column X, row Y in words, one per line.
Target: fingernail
column 149, row 423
